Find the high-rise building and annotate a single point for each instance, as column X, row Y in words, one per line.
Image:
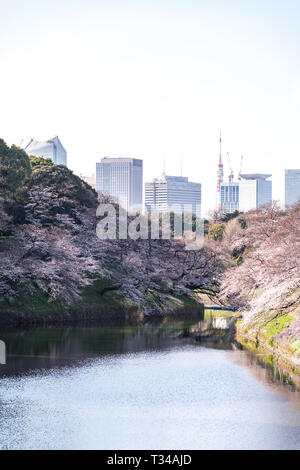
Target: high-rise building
column 292, row 187
column 52, row 148
column 163, row 194
column 254, row 191
column 229, row 197
column 121, row 178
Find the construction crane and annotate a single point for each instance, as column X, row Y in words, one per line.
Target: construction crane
column 220, row 173
column 230, row 179
column 231, row 175
column 241, row 167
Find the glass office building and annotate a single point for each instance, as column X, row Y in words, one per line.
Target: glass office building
column 292, row 187
column 52, row 148
column 229, row 197
column 165, row 193
column 255, row 191
column 121, row 178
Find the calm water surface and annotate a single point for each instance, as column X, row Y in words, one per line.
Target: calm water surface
column 139, row 388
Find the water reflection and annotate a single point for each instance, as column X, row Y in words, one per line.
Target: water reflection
column 44, row 348
column 268, row 372
column 215, row 332
column 143, row 386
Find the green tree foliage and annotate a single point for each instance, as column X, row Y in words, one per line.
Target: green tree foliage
column 216, row 232
column 243, row 222
column 230, row 216
column 14, row 169
column 37, row 162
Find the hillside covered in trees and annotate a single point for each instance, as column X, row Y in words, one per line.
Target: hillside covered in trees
column 53, row 262
column 53, row 265
column 262, row 279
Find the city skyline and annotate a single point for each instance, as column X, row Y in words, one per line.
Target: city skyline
column 228, row 192
column 175, row 193
column 178, row 87
column 231, row 195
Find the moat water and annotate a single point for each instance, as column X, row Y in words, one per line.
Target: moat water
column 141, row 387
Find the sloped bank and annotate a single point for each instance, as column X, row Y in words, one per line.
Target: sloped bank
column 224, row 330
column 276, row 336
column 94, row 306
column 262, row 281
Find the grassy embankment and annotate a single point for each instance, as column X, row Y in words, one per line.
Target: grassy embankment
column 274, row 334
column 93, row 305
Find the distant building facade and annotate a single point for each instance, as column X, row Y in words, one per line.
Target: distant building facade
column 254, row 191
column 230, row 197
column 162, row 194
column 121, row 178
column 292, row 187
column 52, row 148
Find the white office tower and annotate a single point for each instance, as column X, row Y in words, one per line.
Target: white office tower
column 292, row 187
column 121, row 178
column 51, row 148
column 229, row 197
column 255, row 191
column 168, row 192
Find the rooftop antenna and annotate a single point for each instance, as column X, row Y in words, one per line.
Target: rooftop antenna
column 220, row 174
column 230, row 179
column 164, row 164
column 181, row 166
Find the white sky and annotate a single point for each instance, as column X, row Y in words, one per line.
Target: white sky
column 155, row 80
